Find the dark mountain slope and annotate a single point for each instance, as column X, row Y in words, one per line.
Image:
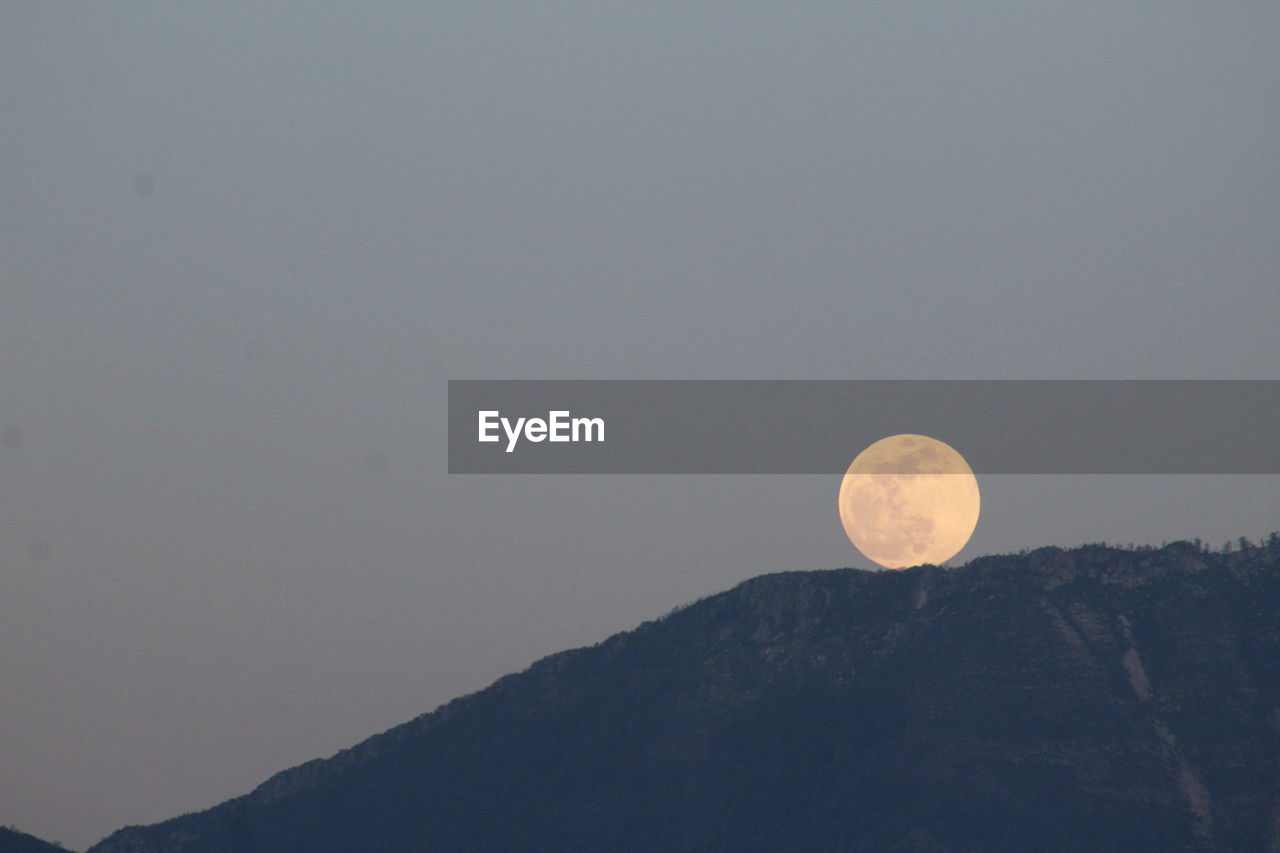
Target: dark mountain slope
column 1095, row 699
column 12, row 841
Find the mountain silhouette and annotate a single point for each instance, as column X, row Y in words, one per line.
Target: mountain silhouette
column 13, row 841
column 1096, row 699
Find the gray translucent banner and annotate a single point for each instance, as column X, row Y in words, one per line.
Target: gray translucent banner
column 817, row 427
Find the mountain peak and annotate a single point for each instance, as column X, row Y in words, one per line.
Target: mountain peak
column 1096, row 698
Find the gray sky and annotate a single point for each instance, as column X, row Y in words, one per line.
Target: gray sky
column 243, row 247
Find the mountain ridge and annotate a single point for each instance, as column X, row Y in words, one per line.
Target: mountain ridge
column 15, row 841
column 1077, row 692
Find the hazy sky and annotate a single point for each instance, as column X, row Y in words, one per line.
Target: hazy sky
column 243, row 247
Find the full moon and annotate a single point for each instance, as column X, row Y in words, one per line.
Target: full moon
column 909, row 499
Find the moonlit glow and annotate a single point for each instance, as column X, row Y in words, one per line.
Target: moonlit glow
column 909, row 499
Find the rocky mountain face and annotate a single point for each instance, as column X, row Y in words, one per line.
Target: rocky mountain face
column 1097, row 699
column 13, row 841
